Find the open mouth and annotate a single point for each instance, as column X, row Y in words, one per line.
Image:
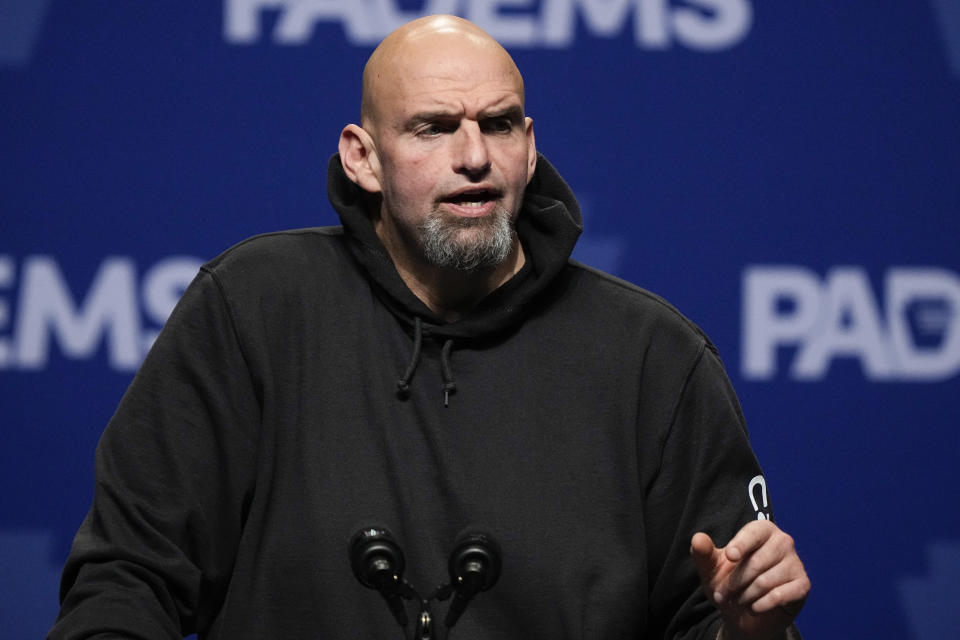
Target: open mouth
column 473, row 198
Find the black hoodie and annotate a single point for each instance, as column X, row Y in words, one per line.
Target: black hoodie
column 300, row 391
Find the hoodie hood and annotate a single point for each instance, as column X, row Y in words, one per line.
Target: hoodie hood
column 548, row 226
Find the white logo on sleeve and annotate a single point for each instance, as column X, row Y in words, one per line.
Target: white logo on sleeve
column 758, row 499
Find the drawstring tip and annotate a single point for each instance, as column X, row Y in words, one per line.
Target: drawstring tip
column 447, row 388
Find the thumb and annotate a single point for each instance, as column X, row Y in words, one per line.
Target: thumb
column 705, row 555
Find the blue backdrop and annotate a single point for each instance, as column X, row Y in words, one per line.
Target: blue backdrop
column 787, row 174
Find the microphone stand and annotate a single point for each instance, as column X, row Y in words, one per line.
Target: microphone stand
column 424, row 622
column 424, row 629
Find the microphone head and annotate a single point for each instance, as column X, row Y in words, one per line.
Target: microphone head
column 376, row 559
column 475, row 563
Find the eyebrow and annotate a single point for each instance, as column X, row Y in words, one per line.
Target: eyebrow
column 428, row 116
column 513, row 112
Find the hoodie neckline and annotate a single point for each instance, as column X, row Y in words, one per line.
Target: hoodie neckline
column 548, row 226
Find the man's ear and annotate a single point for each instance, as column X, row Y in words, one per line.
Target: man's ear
column 531, row 149
column 358, row 155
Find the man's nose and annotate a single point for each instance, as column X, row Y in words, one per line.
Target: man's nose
column 472, row 156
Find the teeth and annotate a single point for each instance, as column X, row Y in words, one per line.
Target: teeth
column 471, row 204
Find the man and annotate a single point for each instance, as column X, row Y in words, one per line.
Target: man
column 579, row 420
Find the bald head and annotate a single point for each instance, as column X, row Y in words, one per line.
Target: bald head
column 430, row 47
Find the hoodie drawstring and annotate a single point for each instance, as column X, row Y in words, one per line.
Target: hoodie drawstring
column 449, row 386
column 403, row 384
column 448, row 383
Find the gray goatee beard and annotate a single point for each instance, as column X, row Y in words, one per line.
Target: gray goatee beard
column 467, row 244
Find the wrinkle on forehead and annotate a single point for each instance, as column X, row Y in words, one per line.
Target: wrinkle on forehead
column 442, row 49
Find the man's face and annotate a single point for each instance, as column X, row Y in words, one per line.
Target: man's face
column 455, row 154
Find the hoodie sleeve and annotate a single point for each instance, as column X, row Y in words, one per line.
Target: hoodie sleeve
column 706, row 468
column 174, row 475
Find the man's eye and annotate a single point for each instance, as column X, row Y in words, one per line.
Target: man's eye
column 432, row 130
column 499, row 125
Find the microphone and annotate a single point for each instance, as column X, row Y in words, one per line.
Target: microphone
column 378, row 563
column 474, row 567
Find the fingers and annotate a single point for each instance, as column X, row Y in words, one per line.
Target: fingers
column 789, row 596
column 750, row 538
column 768, row 572
column 758, row 550
column 757, row 558
column 757, row 581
